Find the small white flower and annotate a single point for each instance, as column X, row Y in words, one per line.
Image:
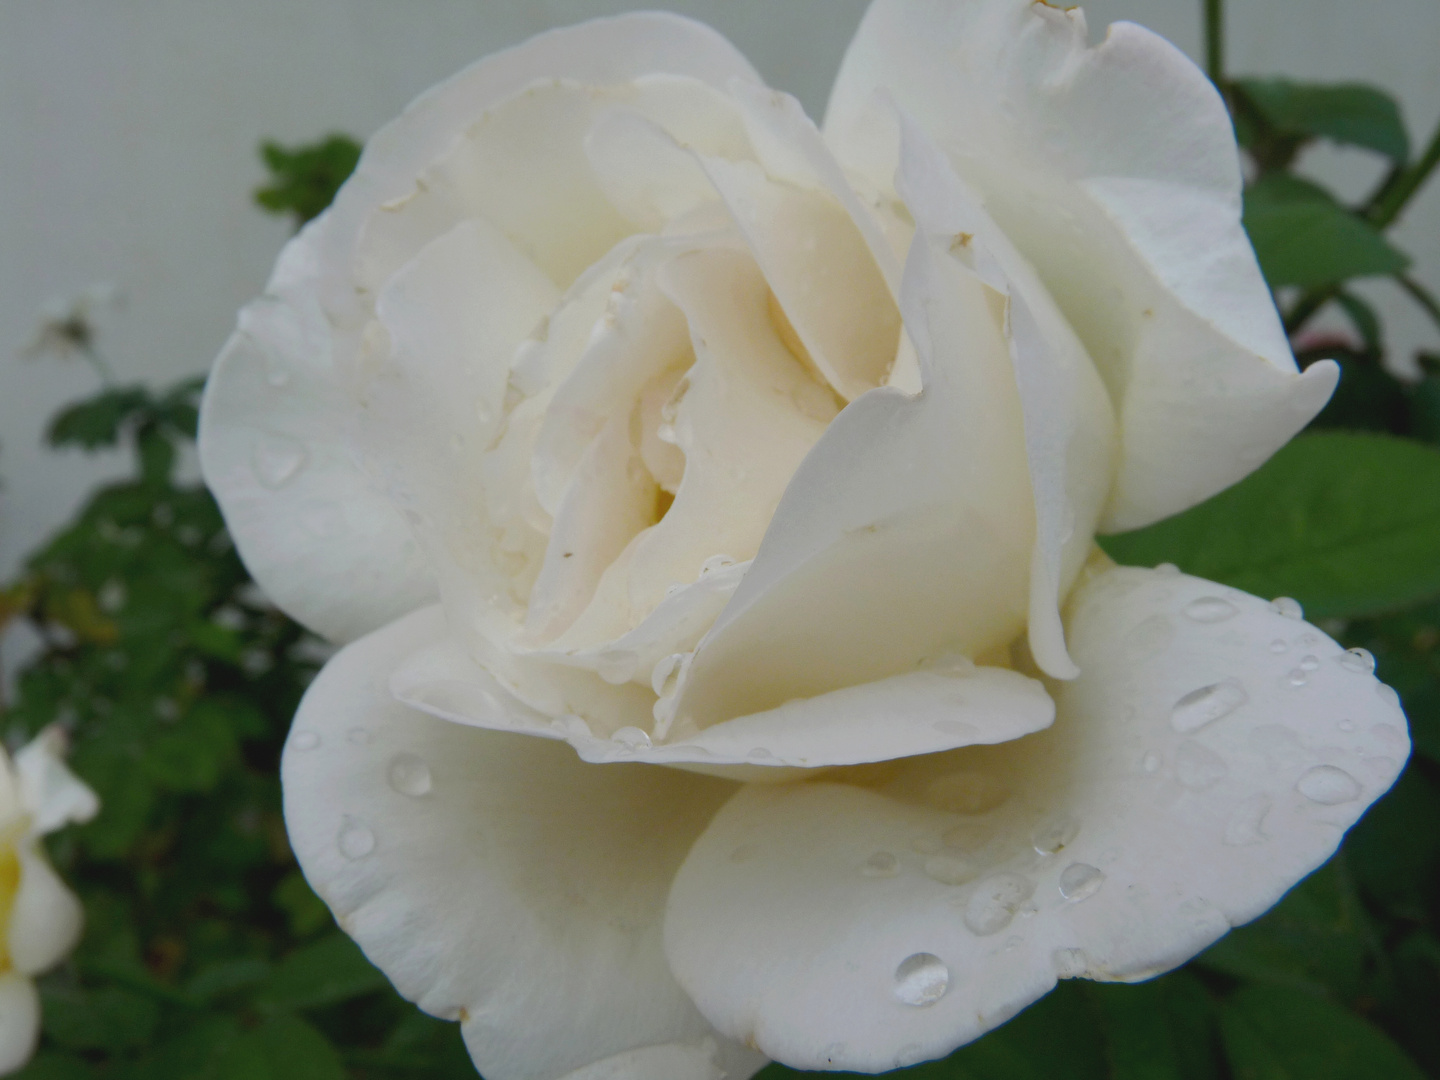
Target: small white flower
column 775, row 697
column 40, row 919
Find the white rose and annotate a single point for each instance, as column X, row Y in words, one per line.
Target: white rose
column 40, row 919
column 774, row 456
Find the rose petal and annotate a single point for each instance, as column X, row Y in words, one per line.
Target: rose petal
column 322, row 542
column 702, row 1060
column 1186, row 784
column 19, row 1020
column 494, row 879
column 1114, row 170
column 49, row 792
column 904, row 535
column 45, row 916
column 1069, row 425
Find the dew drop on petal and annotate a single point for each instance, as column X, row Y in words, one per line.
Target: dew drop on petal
column 1210, row 609
column 1055, row 833
column 1206, row 705
column 949, row 870
column 1360, row 661
column 1169, row 569
column 1279, row 645
column 1080, row 881
column 1328, row 786
column 880, row 864
column 1298, row 677
column 921, row 980
column 1388, row 694
column 1244, row 826
column 277, row 459
column 355, row 840
column 994, row 902
column 1284, row 605
column 1309, row 663
column 1198, row 767
column 665, row 673
column 409, row 775
column 632, row 738
column 1151, row 763
column 305, row 740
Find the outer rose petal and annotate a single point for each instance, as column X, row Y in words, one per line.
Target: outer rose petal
column 1114, row 171
column 322, row 540
column 48, row 791
column 494, row 878
column 1187, row 782
column 19, row 1021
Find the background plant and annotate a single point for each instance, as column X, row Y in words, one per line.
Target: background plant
column 207, row 956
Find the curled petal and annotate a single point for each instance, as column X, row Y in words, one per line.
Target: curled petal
column 495, row 879
column 1114, row 171
column 1210, row 754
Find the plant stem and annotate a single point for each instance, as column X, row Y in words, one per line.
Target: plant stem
column 1393, row 196
column 1215, row 42
column 1421, row 295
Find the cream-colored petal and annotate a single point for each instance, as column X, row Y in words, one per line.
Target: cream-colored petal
column 1069, row 424
column 1113, row 169
column 495, row 879
column 49, row 792
column 707, row 1059
column 45, row 916
column 314, row 530
column 19, row 1021
column 602, row 52
column 905, row 535
column 1210, row 754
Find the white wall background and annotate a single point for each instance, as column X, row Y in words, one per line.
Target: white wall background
column 128, row 134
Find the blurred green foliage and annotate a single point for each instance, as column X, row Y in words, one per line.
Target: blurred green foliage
column 207, row 956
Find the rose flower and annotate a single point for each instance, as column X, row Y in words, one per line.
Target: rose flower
column 40, row 919
column 707, row 503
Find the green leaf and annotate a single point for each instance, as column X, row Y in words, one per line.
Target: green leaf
column 304, row 179
column 1348, row 113
column 52, row 1066
column 1158, row 1030
column 108, row 1019
column 1272, row 1033
column 1349, row 524
column 98, row 421
column 293, row 1050
column 1304, row 237
column 332, row 970
column 1363, row 317
column 1395, row 848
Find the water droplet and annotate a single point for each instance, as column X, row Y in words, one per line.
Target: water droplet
column 1244, row 826
column 1080, row 881
column 1198, row 767
column 1169, row 569
column 714, row 563
column 921, row 980
column 1055, row 833
column 632, row 738
column 666, row 673
column 1210, row 609
column 1388, row 694
column 409, row 775
column 1328, row 786
column 1070, row 963
column 1151, row 763
column 1279, row 645
column 881, row 864
column 1297, row 677
column 357, row 736
column 966, row 793
column 277, row 459
column 1309, row 663
column 1284, row 605
column 618, row 666
column 948, row 870
column 305, row 740
column 759, row 753
column 1206, row 705
column 355, row 840
column 994, row 902
column 1361, row 661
